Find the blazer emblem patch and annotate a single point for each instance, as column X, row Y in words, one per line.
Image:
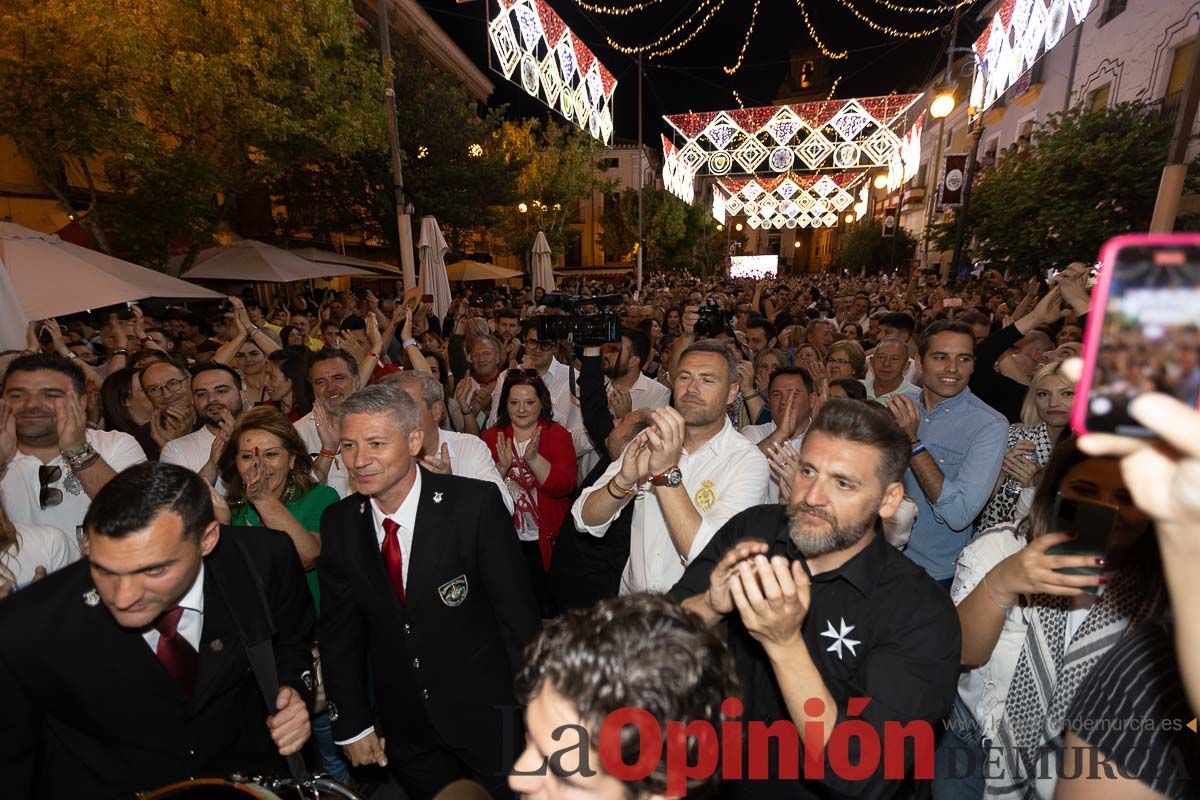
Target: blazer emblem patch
column 454, row 592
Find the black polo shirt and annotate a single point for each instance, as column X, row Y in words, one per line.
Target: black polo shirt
column 878, row 627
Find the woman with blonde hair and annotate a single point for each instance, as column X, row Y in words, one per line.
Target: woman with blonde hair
column 1044, row 416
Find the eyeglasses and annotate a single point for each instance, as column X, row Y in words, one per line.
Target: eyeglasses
column 49, row 496
column 172, row 385
column 535, row 344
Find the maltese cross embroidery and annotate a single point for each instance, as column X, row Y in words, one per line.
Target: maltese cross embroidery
column 840, row 638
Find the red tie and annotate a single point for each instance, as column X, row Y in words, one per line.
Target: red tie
column 393, row 559
column 175, row 653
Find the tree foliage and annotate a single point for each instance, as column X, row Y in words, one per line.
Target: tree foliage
column 863, row 246
column 1087, row 177
column 156, row 115
column 677, row 235
column 555, row 171
column 454, row 167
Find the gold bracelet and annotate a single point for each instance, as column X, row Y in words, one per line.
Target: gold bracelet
column 992, row 597
column 625, row 493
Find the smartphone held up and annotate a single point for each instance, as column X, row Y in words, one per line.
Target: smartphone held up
column 1143, row 330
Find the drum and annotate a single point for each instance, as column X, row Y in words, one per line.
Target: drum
column 238, row 788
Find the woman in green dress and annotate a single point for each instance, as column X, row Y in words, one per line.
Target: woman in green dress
column 268, row 482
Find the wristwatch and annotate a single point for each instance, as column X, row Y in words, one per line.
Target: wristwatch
column 668, row 477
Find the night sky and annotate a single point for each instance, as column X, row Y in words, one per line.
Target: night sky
column 693, row 80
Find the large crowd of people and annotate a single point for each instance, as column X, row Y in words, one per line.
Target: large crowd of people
column 829, row 497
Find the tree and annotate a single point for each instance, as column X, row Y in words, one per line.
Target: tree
column 155, row 115
column 1087, row 177
column 677, row 235
column 453, row 166
column 556, row 170
column 863, row 246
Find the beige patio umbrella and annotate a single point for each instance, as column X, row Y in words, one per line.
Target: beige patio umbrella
column 52, row 278
column 432, row 248
column 251, row 261
column 478, row 271
column 330, row 257
column 543, row 273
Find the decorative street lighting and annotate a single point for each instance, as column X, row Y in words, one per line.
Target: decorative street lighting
column 943, row 104
column 737, row 227
column 522, row 208
column 881, row 180
column 849, row 218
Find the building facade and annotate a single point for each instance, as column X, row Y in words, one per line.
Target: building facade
column 1125, row 50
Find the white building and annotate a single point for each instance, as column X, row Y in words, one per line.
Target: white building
column 1125, row 50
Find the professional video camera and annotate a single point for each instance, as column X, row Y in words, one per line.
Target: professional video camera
column 712, row 320
column 585, row 330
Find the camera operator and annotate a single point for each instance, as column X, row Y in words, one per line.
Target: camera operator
column 539, row 355
column 587, row 568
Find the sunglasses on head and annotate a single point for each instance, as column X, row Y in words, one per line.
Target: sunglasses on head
column 49, row 496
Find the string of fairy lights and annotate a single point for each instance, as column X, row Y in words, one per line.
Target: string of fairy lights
column 682, row 34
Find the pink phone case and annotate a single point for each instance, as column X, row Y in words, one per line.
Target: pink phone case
column 1095, row 323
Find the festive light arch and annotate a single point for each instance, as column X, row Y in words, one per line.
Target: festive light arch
column 554, row 65
column 790, row 200
column 818, row 136
column 1020, row 33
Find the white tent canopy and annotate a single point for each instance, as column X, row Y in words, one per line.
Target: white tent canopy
column 432, row 248
column 53, row 278
column 255, row 262
column 543, row 274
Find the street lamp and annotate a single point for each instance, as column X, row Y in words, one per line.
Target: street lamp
column 522, row 208
column 943, row 104
column 881, row 180
column 737, row 227
column 849, row 218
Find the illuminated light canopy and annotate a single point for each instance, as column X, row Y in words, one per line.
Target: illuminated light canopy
column 754, row 266
column 788, row 201
column 678, row 178
column 906, row 158
column 1020, row 33
column 529, row 38
column 718, row 209
column 844, row 134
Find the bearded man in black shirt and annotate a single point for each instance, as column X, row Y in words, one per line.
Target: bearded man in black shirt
column 828, row 623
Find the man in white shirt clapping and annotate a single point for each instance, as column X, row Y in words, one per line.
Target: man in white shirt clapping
column 687, row 474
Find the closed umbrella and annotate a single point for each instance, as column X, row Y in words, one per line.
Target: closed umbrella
column 256, row 262
column 12, row 316
column 53, row 278
column 543, row 273
column 478, row 271
column 434, row 282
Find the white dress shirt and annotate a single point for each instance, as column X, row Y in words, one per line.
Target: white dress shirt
column 726, row 475
column 470, row 458
column 191, row 622
column 20, row 487
column 406, row 517
column 648, row 394
column 338, row 478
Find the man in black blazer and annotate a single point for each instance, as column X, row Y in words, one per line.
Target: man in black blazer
column 424, row 594
column 126, row 672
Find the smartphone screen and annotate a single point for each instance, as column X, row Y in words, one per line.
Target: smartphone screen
column 1144, row 331
column 1092, row 524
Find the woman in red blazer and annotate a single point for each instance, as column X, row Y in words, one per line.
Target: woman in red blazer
column 536, row 458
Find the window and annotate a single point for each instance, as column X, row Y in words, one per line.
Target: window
column 1177, row 79
column 1111, row 9
column 1025, row 132
column 1098, row 98
column 990, row 151
column 605, row 164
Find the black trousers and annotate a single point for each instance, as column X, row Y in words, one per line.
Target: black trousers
column 537, row 576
